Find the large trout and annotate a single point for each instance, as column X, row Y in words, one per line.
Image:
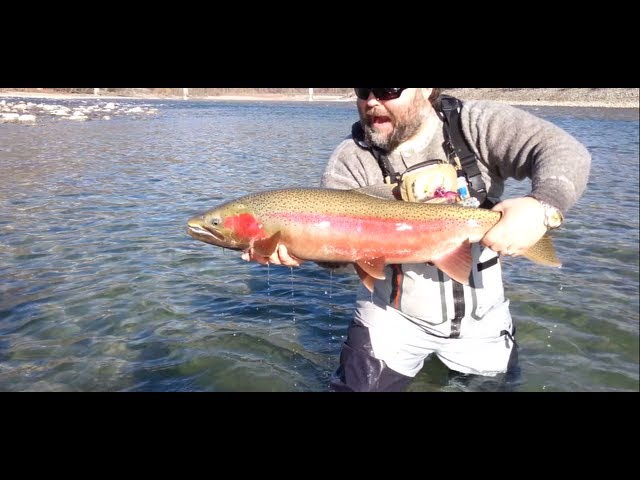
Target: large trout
column 355, row 226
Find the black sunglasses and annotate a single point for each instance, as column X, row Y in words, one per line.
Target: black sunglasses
column 379, row 93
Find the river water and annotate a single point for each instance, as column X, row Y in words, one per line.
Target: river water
column 102, row 290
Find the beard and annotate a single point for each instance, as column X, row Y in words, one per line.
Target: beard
column 405, row 125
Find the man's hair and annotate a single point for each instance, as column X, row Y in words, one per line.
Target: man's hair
column 434, row 98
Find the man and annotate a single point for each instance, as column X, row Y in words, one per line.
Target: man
column 418, row 310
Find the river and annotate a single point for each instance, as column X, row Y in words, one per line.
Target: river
column 102, row 289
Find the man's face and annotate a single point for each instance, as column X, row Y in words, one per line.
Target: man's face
column 388, row 123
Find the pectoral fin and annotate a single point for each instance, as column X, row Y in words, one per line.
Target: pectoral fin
column 266, row 246
column 457, row 263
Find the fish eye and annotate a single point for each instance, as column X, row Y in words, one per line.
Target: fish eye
column 215, row 221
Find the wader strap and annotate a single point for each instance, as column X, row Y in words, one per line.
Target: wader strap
column 458, row 308
column 388, row 173
column 489, row 263
column 396, row 285
column 511, row 337
column 457, row 146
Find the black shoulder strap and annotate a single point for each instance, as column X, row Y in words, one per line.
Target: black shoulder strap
column 389, row 174
column 457, row 146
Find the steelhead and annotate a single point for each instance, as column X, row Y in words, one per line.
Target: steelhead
column 367, row 227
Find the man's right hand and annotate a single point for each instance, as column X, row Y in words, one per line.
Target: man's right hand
column 279, row 257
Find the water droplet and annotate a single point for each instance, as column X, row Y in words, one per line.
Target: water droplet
column 330, row 282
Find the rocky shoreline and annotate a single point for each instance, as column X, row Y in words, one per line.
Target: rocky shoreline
column 573, row 97
column 21, row 111
column 580, row 97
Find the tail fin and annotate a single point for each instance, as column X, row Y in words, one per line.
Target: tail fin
column 543, row 253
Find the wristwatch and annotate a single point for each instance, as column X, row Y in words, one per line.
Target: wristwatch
column 552, row 216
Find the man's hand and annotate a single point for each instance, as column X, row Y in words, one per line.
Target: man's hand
column 279, row 257
column 521, row 226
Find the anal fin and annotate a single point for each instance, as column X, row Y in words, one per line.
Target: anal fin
column 372, row 266
column 366, row 279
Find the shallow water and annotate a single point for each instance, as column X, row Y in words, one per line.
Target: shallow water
column 102, row 290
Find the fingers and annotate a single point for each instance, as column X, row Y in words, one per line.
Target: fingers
column 504, row 250
column 279, row 257
column 509, row 252
column 505, row 241
column 284, row 258
column 520, row 226
column 496, row 239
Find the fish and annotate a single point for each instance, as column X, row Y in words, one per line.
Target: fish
column 367, row 227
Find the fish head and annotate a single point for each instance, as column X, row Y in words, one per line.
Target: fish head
column 231, row 225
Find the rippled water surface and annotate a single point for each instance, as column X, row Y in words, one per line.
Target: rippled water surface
column 102, row 290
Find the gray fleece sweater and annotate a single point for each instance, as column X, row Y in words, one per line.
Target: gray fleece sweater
column 509, row 142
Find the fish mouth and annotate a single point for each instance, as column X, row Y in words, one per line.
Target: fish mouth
column 210, row 235
column 203, row 232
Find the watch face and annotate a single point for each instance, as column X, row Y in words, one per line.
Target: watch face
column 554, row 217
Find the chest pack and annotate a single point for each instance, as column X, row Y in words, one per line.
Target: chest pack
column 458, row 152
